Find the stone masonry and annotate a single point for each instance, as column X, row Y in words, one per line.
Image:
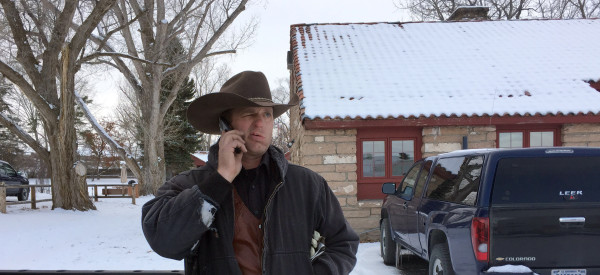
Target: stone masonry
column 586, row 135
column 444, row 139
column 332, row 154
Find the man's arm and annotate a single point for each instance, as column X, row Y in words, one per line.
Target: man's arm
column 182, row 212
column 341, row 242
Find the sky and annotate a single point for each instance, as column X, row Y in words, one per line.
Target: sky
column 269, row 49
column 268, row 52
column 109, row 238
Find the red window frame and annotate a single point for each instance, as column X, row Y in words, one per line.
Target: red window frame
column 526, row 130
column 370, row 187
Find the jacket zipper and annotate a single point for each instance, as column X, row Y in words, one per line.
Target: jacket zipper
column 264, row 224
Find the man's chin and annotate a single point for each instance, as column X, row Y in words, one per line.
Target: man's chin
column 257, row 149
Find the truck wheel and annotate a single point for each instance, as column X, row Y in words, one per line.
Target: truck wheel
column 23, row 194
column 388, row 246
column 439, row 262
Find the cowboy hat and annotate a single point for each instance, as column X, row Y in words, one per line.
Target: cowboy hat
column 246, row 89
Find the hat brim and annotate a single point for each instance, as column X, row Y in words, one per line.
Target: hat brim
column 204, row 112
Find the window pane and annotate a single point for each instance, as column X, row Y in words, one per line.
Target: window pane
column 541, row 139
column 408, row 183
column 535, row 139
column 456, row 180
column 403, row 156
column 373, row 158
column 548, row 179
column 547, row 138
column 422, row 179
column 511, row 140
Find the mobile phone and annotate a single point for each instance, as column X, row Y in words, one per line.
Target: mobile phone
column 226, row 127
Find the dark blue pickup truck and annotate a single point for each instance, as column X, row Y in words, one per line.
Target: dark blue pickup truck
column 469, row 210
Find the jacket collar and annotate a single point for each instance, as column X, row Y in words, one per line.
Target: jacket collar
column 275, row 154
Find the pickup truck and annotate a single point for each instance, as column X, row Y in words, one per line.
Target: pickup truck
column 10, row 176
column 470, row 210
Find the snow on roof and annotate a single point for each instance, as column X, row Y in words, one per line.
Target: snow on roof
column 433, row 69
column 201, row 155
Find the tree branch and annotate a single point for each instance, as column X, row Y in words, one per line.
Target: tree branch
column 85, row 30
column 38, row 101
column 99, row 54
column 130, row 160
column 24, row 53
column 15, row 129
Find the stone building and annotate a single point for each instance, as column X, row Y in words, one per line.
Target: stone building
column 375, row 97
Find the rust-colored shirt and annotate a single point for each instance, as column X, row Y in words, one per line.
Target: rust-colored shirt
column 247, row 238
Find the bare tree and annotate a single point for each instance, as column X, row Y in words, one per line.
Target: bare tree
column 139, row 51
column 209, row 76
column 503, row 9
column 43, row 57
column 282, row 136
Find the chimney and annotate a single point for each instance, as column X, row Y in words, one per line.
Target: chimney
column 469, row 13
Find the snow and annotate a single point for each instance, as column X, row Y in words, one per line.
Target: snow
column 109, row 238
column 437, row 69
column 510, row 269
column 201, row 155
column 93, row 120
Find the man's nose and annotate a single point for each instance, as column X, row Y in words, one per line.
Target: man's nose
column 259, row 121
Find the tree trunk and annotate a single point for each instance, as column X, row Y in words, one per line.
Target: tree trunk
column 67, row 192
column 153, row 171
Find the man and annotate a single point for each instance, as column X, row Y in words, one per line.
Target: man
column 248, row 211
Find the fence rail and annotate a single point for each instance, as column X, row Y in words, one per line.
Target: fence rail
column 122, row 191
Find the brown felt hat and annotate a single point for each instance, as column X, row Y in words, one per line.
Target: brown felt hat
column 246, row 89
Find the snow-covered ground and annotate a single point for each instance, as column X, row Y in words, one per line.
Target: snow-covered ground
column 110, row 238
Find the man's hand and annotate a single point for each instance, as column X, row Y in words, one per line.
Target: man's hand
column 230, row 163
column 317, row 245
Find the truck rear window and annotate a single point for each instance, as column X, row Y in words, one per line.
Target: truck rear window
column 547, row 180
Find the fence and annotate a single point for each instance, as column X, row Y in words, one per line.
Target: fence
column 121, row 191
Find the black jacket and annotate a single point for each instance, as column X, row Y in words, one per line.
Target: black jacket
column 175, row 222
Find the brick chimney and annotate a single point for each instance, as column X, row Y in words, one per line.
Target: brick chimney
column 469, row 13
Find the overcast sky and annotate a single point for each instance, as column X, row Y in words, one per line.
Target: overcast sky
column 272, row 40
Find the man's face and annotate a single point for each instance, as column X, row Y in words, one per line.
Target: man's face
column 257, row 125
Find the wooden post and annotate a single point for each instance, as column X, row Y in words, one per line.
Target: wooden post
column 130, row 189
column 123, row 172
column 2, row 198
column 95, row 192
column 33, row 206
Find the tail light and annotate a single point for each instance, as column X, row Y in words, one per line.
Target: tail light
column 480, row 238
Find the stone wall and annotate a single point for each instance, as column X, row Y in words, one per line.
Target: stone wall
column 586, row 135
column 332, row 154
column 444, row 139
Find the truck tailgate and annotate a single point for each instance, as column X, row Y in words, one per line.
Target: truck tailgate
column 545, row 212
column 561, row 236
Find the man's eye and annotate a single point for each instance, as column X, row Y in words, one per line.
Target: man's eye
column 268, row 114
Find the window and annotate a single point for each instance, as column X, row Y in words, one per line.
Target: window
column 373, row 158
column 423, row 178
column 403, row 153
column 456, row 180
column 384, row 155
column 547, row 180
column 510, row 140
column 541, row 139
column 528, row 136
column 408, row 184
